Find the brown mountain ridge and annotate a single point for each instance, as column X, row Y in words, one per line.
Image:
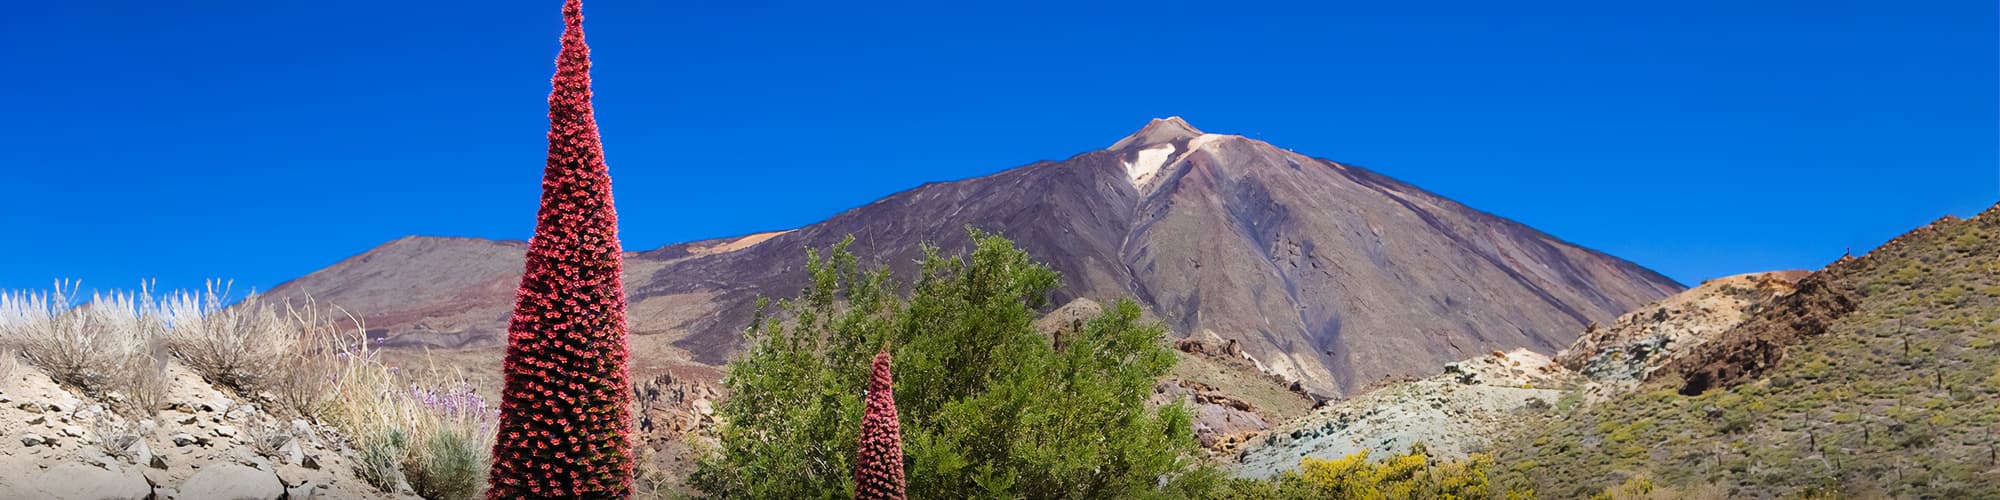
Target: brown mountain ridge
column 1324, row 273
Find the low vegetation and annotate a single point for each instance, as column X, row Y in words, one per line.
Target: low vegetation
column 110, row 348
column 423, row 431
column 1896, row 399
column 1415, row 475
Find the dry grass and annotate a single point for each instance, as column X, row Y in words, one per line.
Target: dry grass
column 239, row 347
column 294, row 356
column 424, row 431
column 116, row 345
column 110, row 347
column 320, row 350
column 118, row 438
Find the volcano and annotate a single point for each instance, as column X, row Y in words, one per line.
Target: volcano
column 1323, row 273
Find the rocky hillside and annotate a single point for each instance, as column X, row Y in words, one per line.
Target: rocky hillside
column 1473, row 402
column 1878, row 377
column 1634, row 348
column 1452, row 414
column 205, row 445
column 1321, row 272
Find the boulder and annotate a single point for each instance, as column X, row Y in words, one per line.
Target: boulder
column 73, row 480
column 233, row 482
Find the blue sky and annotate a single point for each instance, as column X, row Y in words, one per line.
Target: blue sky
column 261, row 140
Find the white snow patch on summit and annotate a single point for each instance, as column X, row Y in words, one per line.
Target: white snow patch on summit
column 1148, row 163
column 1204, row 140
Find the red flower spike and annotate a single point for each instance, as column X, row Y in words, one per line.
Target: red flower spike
column 571, row 306
column 878, row 467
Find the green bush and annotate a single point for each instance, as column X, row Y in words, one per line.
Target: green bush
column 380, row 457
column 448, row 464
column 988, row 406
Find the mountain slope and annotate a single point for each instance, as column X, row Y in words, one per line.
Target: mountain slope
column 1475, row 401
column 1877, row 377
column 1324, row 273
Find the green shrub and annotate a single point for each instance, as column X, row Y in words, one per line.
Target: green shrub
column 379, row 458
column 988, row 406
column 448, row 465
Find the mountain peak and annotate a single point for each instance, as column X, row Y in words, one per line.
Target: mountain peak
column 1158, row 131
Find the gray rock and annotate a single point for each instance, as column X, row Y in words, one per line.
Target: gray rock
column 184, row 439
column 291, row 453
column 33, row 440
column 133, row 448
column 233, row 482
column 83, row 481
column 240, row 412
column 303, row 491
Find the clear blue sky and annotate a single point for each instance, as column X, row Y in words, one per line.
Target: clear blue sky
column 261, row 140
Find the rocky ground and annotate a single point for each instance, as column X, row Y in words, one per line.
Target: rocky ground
column 1472, row 402
column 1641, row 343
column 1453, row 413
column 204, row 445
column 676, row 418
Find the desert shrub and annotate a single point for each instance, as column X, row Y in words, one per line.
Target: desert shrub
column 117, row 438
column 290, row 355
column 372, row 412
column 988, row 406
column 422, row 429
column 379, row 458
column 143, row 380
column 452, row 442
column 238, row 346
column 448, row 463
column 307, row 380
column 109, row 347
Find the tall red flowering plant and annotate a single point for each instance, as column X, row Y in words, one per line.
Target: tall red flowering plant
column 563, row 414
column 878, row 464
